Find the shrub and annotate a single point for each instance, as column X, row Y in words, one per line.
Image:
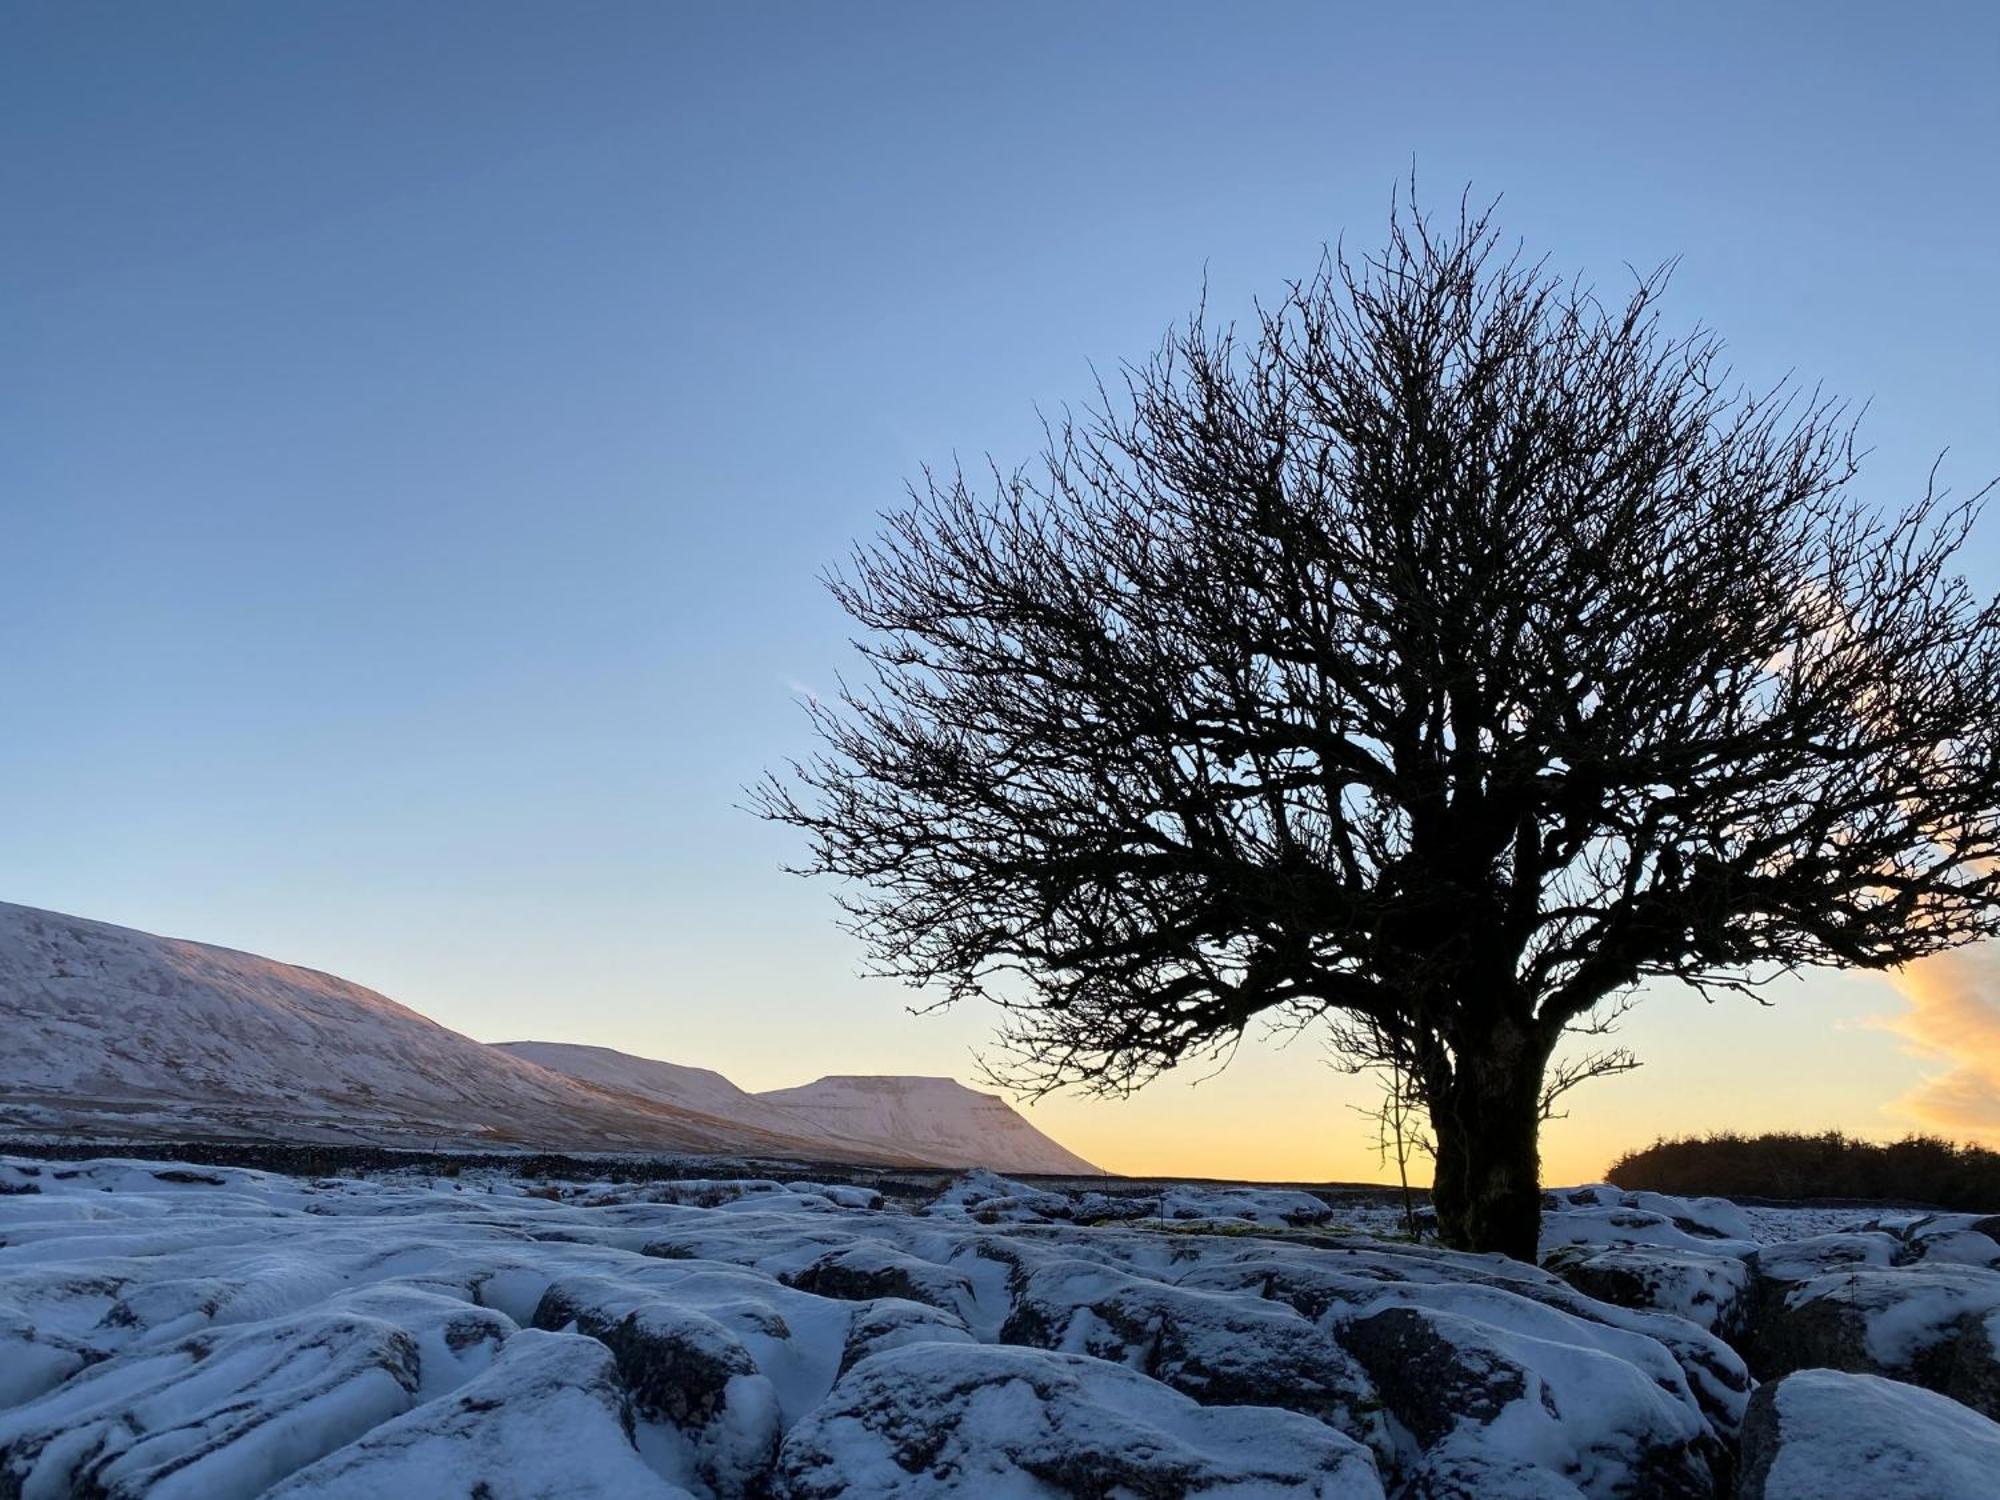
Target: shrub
column 1917, row 1169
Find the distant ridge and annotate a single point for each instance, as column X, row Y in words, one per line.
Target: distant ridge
column 938, row 1120
column 109, row 1032
column 966, row 1127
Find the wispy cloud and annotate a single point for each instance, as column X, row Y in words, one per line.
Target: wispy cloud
column 1954, row 1016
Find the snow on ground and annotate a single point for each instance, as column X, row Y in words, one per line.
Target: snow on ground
column 1762, row 1224
column 215, row 1333
column 1822, row 1435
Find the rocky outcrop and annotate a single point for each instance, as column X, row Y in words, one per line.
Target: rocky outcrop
column 862, row 1272
column 1222, row 1350
column 935, row 1420
column 220, row 1332
column 1481, row 1386
column 681, row 1368
column 891, row 1323
column 211, row 1416
column 1711, row 1291
column 1825, row 1435
column 1915, row 1301
column 548, row 1420
column 1911, row 1296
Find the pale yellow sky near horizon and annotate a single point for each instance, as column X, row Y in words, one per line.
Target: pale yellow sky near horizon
column 1830, row 1051
column 1875, row 1055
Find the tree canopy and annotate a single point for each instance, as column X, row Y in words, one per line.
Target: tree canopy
column 1434, row 659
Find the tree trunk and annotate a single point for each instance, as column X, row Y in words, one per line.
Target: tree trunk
column 1486, row 1124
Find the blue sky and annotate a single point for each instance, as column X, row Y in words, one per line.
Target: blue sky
column 422, row 427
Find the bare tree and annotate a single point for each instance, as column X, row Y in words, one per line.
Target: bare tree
column 1439, row 658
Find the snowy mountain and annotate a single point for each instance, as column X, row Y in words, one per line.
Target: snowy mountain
column 111, row 1031
column 938, row 1117
column 671, row 1083
column 936, row 1120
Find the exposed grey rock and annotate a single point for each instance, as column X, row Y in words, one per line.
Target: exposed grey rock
column 1712, row 1291
column 1923, row 1323
column 933, row 1420
column 547, row 1421
column 890, row 1323
column 1482, row 1388
column 682, row 1368
column 1221, row 1349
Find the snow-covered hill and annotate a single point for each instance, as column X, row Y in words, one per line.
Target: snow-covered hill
column 944, row 1119
column 936, row 1120
column 672, row 1083
column 114, row 1031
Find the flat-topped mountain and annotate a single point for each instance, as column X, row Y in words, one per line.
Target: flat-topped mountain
column 958, row 1125
column 937, row 1119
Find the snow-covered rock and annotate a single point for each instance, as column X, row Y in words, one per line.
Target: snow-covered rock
column 34, row 1359
column 869, row 1269
column 245, row 1329
column 976, row 1421
column 890, row 1323
column 1938, row 1238
column 1271, row 1207
column 1606, row 1216
column 1800, row 1260
column 1823, row 1435
column 1492, row 1379
column 986, row 1196
column 1220, row 1347
column 1710, row 1290
column 682, row 1368
column 1914, row 1296
column 1929, row 1325
column 212, row 1416
column 990, row 1198
column 1704, row 1218
column 548, row 1420
column 1344, row 1285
